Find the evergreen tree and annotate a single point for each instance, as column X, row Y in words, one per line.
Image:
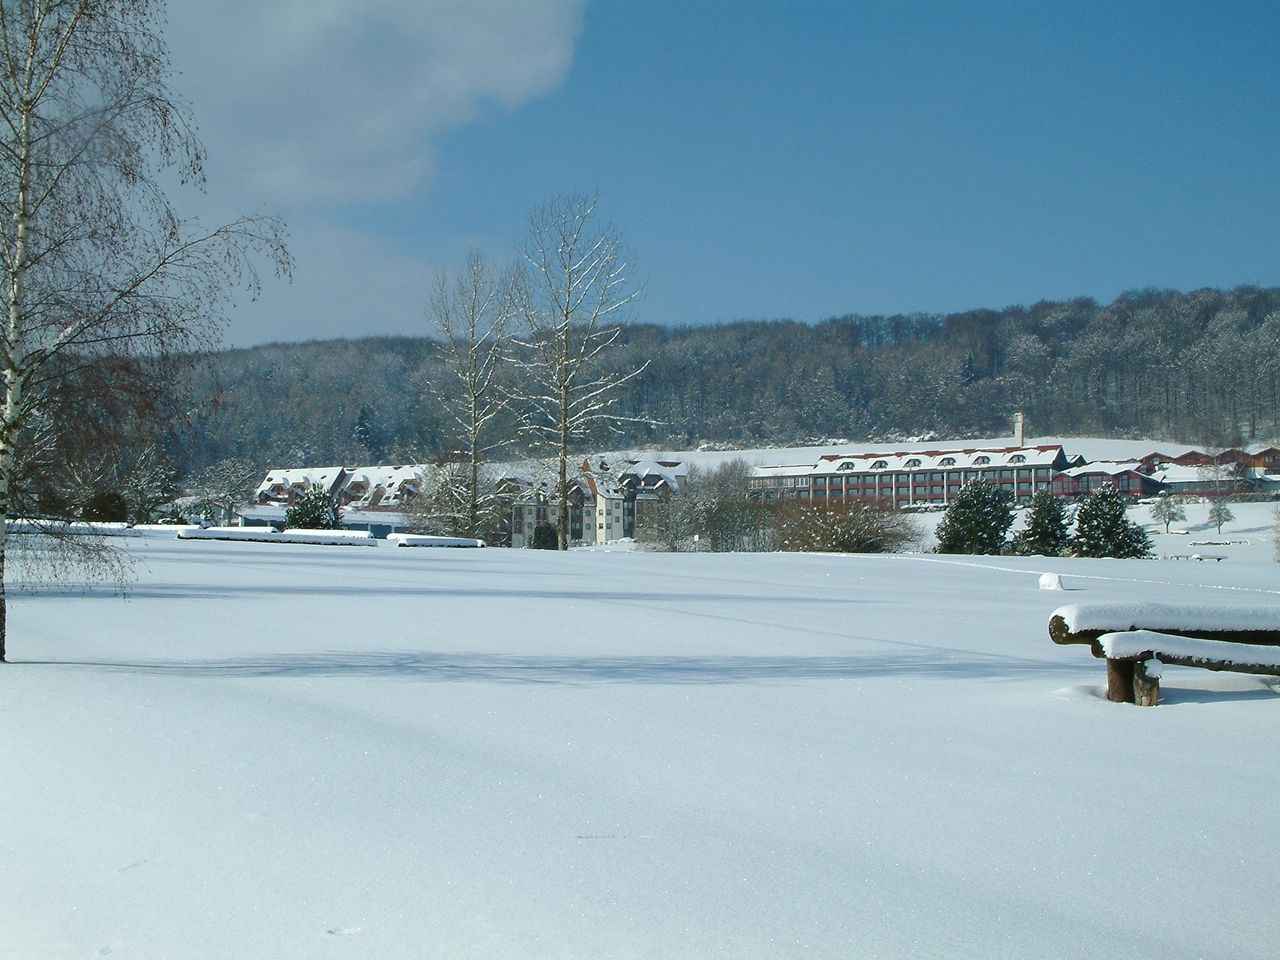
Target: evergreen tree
column 544, row 537
column 978, row 519
column 313, row 510
column 1220, row 513
column 1046, row 534
column 1104, row 530
column 1166, row 510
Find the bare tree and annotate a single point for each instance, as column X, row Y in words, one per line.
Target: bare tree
column 574, row 296
column 222, row 486
column 98, row 263
column 472, row 310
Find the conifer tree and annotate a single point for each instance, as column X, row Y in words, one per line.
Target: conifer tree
column 1046, row 533
column 1104, row 530
column 978, row 519
column 313, row 510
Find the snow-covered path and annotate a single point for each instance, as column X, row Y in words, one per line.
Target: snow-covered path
column 295, row 751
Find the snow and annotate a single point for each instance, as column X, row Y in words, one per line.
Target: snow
column 359, row 538
column 1133, row 643
column 426, row 540
column 270, row 750
column 1050, row 581
column 1091, row 448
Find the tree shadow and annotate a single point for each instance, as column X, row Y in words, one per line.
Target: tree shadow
column 172, row 591
column 428, row 667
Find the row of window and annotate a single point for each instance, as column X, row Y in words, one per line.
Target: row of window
column 915, row 463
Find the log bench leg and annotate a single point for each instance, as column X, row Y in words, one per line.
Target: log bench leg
column 1120, row 680
column 1129, row 682
column 1146, row 688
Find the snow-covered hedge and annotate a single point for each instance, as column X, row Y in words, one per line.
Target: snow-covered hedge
column 423, row 540
column 70, row 528
column 355, row 538
column 169, row 530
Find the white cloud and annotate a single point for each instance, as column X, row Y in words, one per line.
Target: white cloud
column 338, row 101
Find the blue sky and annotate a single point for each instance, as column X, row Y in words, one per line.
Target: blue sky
column 761, row 160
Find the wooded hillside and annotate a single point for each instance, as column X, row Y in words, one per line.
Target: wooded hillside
column 1201, row 367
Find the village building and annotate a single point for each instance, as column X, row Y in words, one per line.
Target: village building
column 604, row 500
column 912, row 479
column 1128, row 477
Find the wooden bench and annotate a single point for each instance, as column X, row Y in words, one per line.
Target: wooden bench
column 1135, row 638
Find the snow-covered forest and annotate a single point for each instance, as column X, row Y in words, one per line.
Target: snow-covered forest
column 1201, row 367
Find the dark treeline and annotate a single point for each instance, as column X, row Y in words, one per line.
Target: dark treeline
column 1203, row 367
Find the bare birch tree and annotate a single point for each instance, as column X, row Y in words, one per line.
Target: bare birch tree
column 574, row 296
column 98, row 263
column 472, row 310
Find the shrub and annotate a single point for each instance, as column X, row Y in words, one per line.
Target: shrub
column 844, row 527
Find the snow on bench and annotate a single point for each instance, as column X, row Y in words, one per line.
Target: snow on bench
column 1191, row 651
column 354, row 538
column 1135, row 637
column 425, row 540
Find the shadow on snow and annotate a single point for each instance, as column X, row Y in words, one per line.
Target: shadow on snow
column 512, row 668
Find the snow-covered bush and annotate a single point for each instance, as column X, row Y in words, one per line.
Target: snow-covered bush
column 844, row 527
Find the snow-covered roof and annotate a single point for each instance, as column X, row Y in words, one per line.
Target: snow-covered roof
column 1185, row 473
column 975, row 458
column 304, row 477
column 668, row 469
column 385, row 475
column 784, row 470
column 1110, row 467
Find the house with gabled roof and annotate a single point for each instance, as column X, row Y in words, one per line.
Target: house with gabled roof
column 604, row 499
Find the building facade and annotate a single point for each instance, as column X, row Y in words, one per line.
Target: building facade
column 913, row 479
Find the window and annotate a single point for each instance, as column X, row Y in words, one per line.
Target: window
column 847, row 465
column 981, row 461
column 1017, row 458
column 912, row 463
column 880, row 465
column 947, row 462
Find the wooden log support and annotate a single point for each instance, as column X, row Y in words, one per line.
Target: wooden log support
column 1146, row 686
column 1120, row 680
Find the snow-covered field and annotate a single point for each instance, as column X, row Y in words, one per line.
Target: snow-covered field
column 296, row 751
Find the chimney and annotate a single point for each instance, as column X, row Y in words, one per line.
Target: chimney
column 1019, row 423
